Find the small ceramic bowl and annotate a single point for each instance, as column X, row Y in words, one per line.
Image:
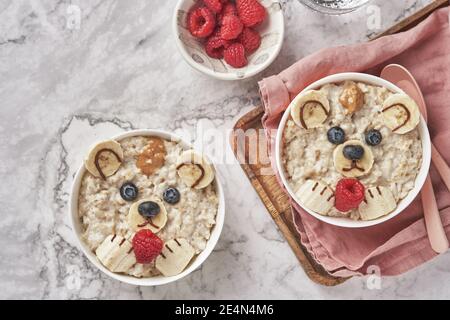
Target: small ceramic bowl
column 421, row 176
column 191, row 48
column 157, row 280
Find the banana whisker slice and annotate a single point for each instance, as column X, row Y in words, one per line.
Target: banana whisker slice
column 378, row 202
column 195, row 171
column 116, row 253
column 316, row 196
column 400, row 113
column 104, row 159
column 310, row 109
column 175, row 256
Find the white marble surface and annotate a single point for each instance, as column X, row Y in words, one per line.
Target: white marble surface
column 62, row 88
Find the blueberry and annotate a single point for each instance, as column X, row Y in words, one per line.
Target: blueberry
column 171, row 195
column 353, row 152
column 336, row 135
column 148, row 209
column 128, row 191
column 373, row 137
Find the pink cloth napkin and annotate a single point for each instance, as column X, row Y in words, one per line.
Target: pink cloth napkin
column 400, row 244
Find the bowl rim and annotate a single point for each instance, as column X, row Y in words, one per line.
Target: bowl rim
column 420, row 178
column 157, row 280
column 218, row 75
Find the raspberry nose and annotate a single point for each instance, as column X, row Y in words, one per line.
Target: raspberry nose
column 349, row 194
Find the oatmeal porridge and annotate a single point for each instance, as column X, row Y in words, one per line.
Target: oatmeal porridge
column 352, row 149
column 147, row 206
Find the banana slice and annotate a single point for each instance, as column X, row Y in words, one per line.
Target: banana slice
column 194, row 170
column 175, row 256
column 352, row 168
column 104, row 159
column 136, row 221
column 116, row 253
column 400, row 113
column 316, row 196
column 310, row 109
column 378, row 202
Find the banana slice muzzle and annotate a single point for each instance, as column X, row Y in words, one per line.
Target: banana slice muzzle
column 194, row 170
column 353, row 168
column 310, row 109
column 400, row 113
column 104, row 159
column 137, row 221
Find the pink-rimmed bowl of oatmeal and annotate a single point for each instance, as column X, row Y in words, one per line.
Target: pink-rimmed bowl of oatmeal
column 399, row 166
column 90, row 232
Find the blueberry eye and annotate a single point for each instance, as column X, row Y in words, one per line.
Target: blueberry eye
column 128, row 191
column 373, row 137
column 171, row 195
column 336, row 135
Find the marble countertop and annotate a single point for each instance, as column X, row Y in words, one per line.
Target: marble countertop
column 66, row 82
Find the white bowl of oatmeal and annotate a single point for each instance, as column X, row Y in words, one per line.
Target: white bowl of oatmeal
column 123, row 190
column 360, row 132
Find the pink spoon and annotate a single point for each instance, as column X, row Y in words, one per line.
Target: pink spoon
column 401, row 77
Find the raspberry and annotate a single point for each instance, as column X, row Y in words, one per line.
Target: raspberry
column 215, row 46
column 250, row 39
column 251, row 12
column 213, row 5
column 231, row 27
column 229, row 9
column 146, row 246
column 201, row 22
column 349, row 194
column 235, row 55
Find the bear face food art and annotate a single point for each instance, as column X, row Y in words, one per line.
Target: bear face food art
column 352, row 149
column 147, row 206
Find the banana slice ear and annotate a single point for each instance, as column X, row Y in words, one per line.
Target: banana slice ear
column 175, row 256
column 136, row 221
column 378, row 202
column 104, row 159
column 195, row 171
column 352, row 168
column 310, row 109
column 116, row 253
column 400, row 113
column 316, row 196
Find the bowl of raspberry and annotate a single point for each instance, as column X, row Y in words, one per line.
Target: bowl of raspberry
column 229, row 39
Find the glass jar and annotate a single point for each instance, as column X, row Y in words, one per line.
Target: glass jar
column 334, row 6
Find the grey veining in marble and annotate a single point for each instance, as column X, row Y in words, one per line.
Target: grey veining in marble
column 63, row 87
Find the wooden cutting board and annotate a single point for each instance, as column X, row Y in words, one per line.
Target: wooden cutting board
column 255, row 163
